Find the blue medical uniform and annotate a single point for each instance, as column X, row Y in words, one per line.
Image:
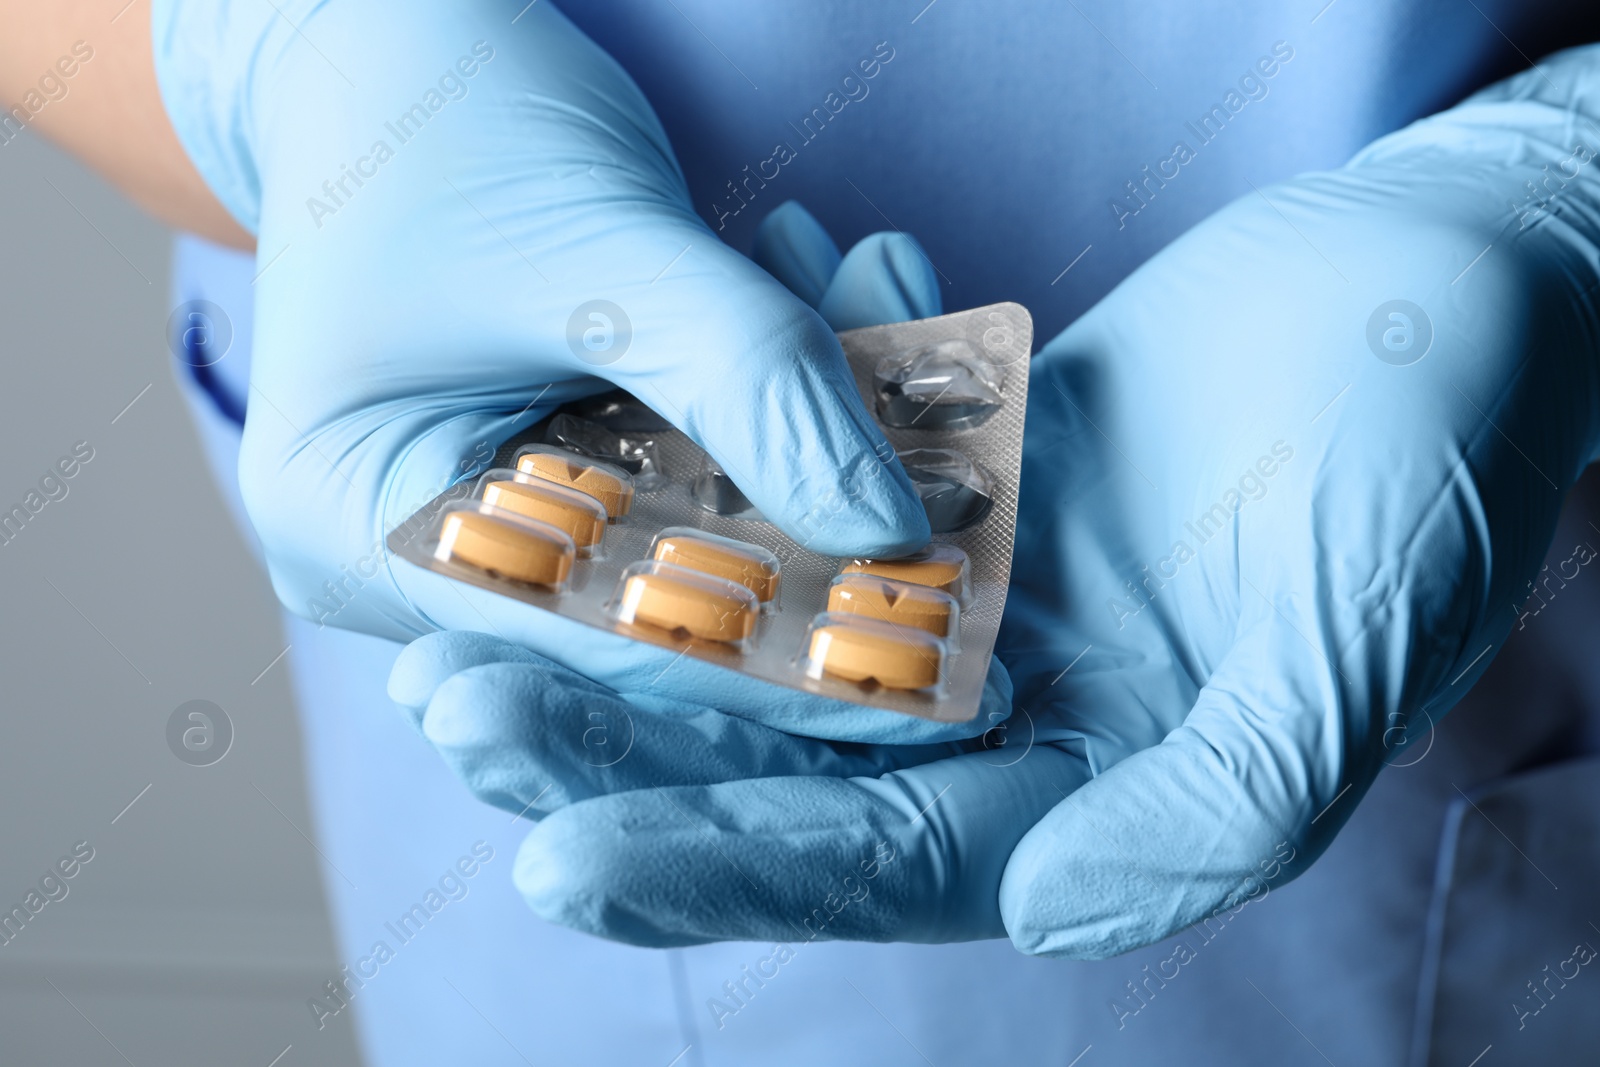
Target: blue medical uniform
column 1033, row 148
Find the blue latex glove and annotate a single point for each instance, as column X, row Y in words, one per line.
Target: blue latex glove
column 1271, row 524
column 440, row 192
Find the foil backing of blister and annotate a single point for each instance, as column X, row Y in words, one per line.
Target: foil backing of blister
column 1002, row 335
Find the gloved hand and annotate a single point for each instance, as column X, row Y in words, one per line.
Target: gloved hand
column 1271, row 521
column 442, row 193
column 532, row 737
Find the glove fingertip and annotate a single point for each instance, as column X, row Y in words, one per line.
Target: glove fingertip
column 885, row 519
column 426, row 663
column 484, row 706
column 885, row 278
column 1038, row 926
column 793, row 247
column 569, row 866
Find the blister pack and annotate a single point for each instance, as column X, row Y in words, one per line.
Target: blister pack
column 607, row 514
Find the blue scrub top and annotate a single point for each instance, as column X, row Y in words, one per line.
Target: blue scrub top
column 1040, row 151
column 1009, row 138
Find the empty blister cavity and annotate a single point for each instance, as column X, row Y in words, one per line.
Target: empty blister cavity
column 955, row 491
column 900, row 604
column 504, row 545
column 943, row 386
column 751, row 566
column 715, row 491
column 938, row 566
column 633, row 452
column 606, row 482
column 686, row 603
column 873, row 653
column 579, row 515
column 620, row 412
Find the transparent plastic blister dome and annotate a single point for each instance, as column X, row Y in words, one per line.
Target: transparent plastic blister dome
column 955, row 491
column 715, row 491
column 633, row 451
column 942, row 386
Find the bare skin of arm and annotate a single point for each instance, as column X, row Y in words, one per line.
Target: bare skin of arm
column 108, row 111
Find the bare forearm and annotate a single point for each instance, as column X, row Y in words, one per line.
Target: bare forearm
column 80, row 72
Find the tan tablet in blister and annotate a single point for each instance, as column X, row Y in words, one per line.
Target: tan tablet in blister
column 505, row 549
column 752, row 567
column 710, row 608
column 615, row 491
column 896, row 603
column 583, row 518
column 862, row 651
column 939, row 566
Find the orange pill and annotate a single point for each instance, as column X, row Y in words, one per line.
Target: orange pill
column 582, row 517
column 896, row 603
column 858, row 651
column 699, row 608
column 505, row 549
column 614, row 490
column 939, row 566
column 754, row 568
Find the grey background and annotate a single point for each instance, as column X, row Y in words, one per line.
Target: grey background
column 198, row 930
